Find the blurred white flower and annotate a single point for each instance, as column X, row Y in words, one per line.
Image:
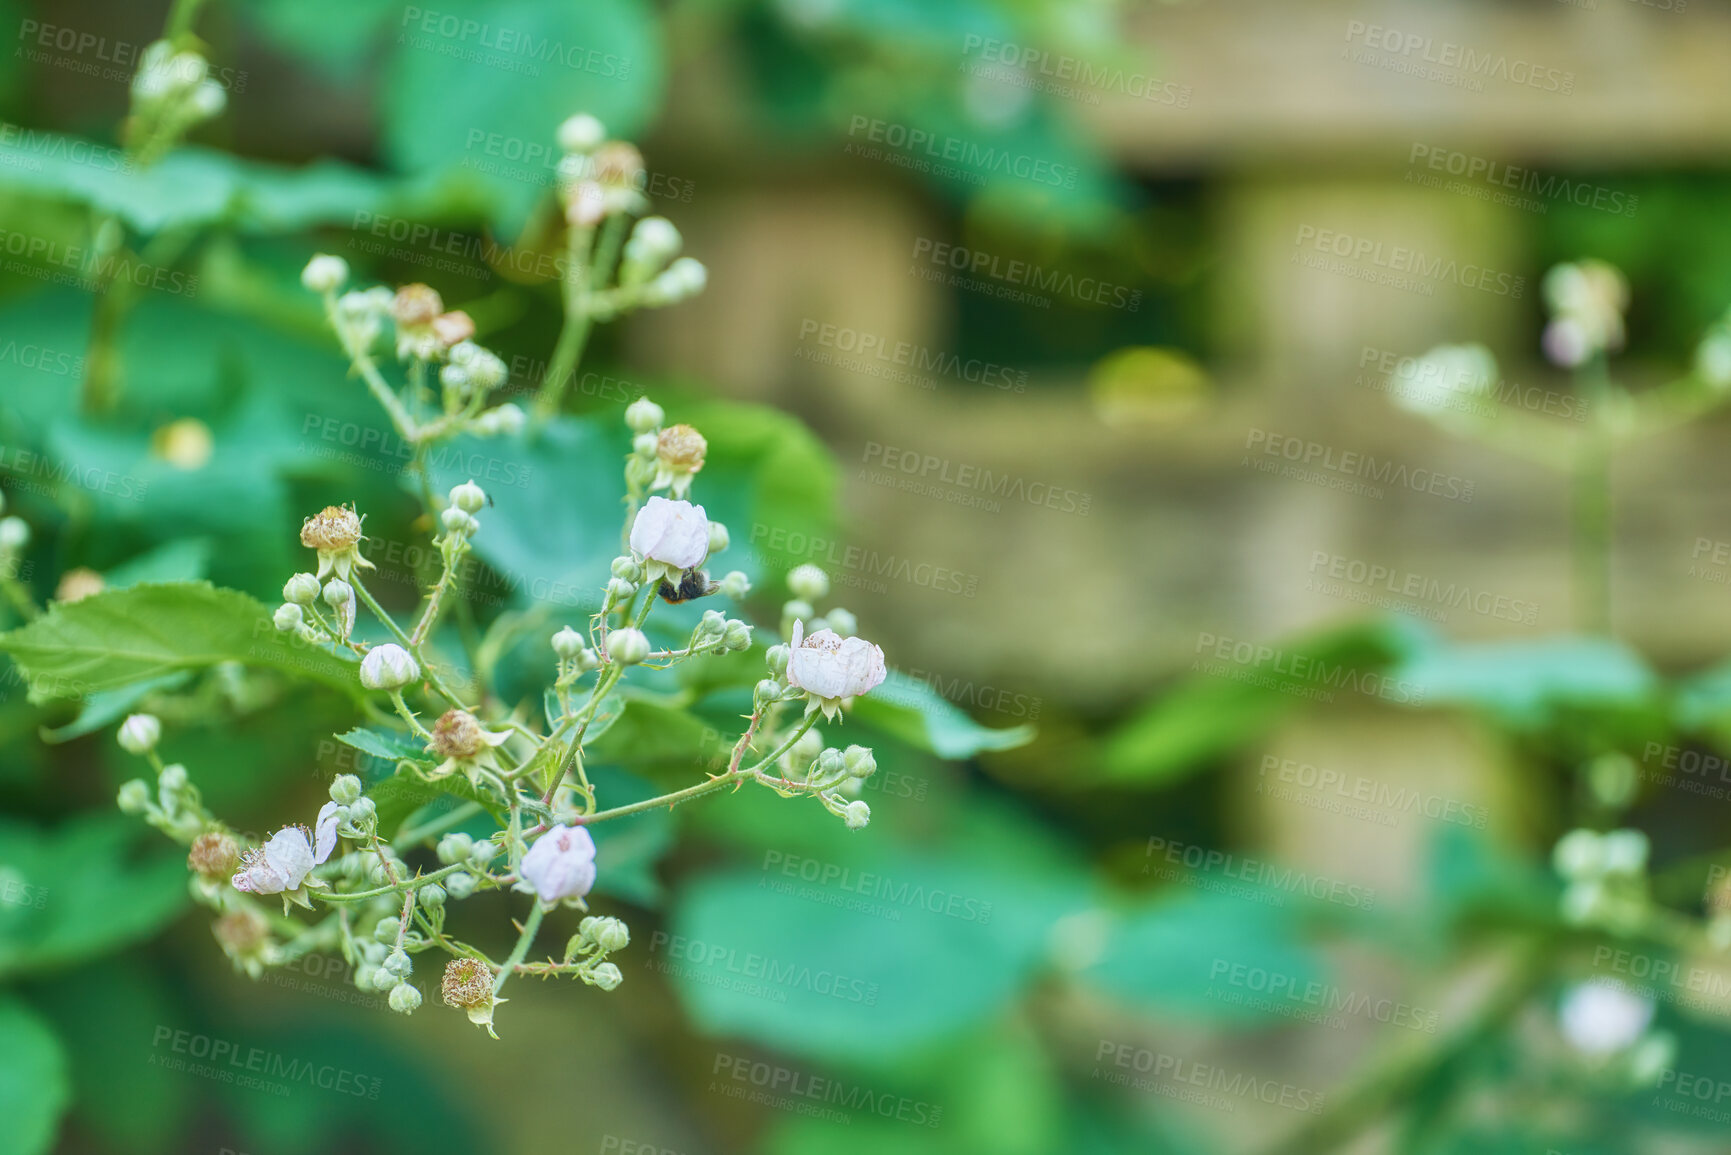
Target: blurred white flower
column 1587, row 300
column 670, row 536
column 1447, row 377
column 1602, row 1017
column 561, row 864
column 830, row 667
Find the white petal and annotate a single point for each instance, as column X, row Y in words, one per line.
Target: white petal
column 289, row 855
column 561, row 864
column 325, row 832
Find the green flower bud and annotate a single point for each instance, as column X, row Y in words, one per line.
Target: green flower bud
column 860, row 761
column 362, row 813
column 767, row 690
column 619, row 589
column 387, row 929
column 345, row 789
column 808, row 583
column 1578, row 854
column 735, row 585
column 856, row 815
column 483, row 852
column 432, row 896
column 454, row 847
column 172, row 780
column 718, row 537
column 364, row 976
column 643, row 415
column 568, row 645
column 712, row 624
column 301, row 590
column 1625, row 852
column 627, row 646
column 831, row 763
column 777, row 656
column 468, row 497
column 610, row 935
column 399, row 963
column 140, row 733
column 627, row 567
column 737, row 636
column 456, row 521
column 842, row 622
column 404, row 998
column 459, row 885
column 287, row 617
column 606, row 976
column 338, row 593
column 134, row 797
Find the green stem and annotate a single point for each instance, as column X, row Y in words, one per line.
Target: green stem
column 394, row 888
column 1591, row 538
column 518, row 952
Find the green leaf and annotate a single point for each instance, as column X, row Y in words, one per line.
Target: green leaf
column 508, row 72
column 648, row 731
column 34, row 1085
column 914, row 712
column 85, row 893
column 1183, row 953
column 1526, row 684
column 109, row 706
column 1208, row 716
column 187, row 559
column 120, row 637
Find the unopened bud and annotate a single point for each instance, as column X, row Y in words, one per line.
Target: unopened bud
column 140, row 733
column 404, row 998
column 134, row 797
column 454, row 847
column 581, row 133
column 568, row 644
column 388, row 667
column 808, row 583
column 735, row 585
column 718, row 537
column 460, row 885
column 325, row 273
column 606, row 976
column 468, row 497
column 287, row 617
column 301, row 589
column 860, row 761
column 842, row 622
column 338, row 593
column 856, row 814
column 345, row 789
column 644, row 415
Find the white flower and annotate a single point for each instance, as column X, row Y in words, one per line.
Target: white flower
column 1445, row 373
column 581, row 133
column 325, row 273
column 830, row 667
column 1587, row 300
column 282, row 864
column 1601, row 1017
column 671, row 536
column 388, row 667
column 561, row 864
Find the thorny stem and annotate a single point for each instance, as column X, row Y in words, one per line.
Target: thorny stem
column 531, row 925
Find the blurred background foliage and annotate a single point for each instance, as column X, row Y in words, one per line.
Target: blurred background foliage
column 985, row 1027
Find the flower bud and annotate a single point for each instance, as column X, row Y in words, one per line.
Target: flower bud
column 301, row 590
column 644, row 415
column 325, row 273
column 831, row 763
column 842, row 622
column 607, row 933
column 768, row 690
column 459, row 885
column 859, row 761
column 1625, row 852
column 454, row 847
column 627, row 646
column 627, row 567
column 506, row 419
column 134, row 797
column 468, row 497
column 14, row 534
column 581, row 133
column 386, row 931
column 712, row 624
column 606, row 976
column 737, row 636
column 388, row 667
column 808, row 583
column 645, row 445
column 287, row 617
column 735, row 585
column 718, row 537
column 416, row 305
column 338, row 593
column 777, row 656
column 399, row 963
column 362, row 813
column 431, row 896
column 345, row 789
column 483, row 852
column 404, row 998
column 140, row 733
column 213, row 855
column 654, row 241
column 568, row 644
column 618, row 589
column 856, row 814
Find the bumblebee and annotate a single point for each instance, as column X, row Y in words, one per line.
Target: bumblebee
column 692, row 584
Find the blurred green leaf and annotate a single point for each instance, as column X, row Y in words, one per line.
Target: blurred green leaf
column 914, row 712
column 187, row 559
column 119, row 637
column 34, row 1087
column 627, row 849
column 85, row 893
column 1525, row 684
column 109, row 706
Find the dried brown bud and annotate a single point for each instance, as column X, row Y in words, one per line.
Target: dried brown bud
column 213, row 855
column 457, row 734
column 416, row 305
column 618, row 165
column 78, row 584
column 242, row 931
column 452, row 328
column 333, row 529
column 681, row 447
column 468, row 983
